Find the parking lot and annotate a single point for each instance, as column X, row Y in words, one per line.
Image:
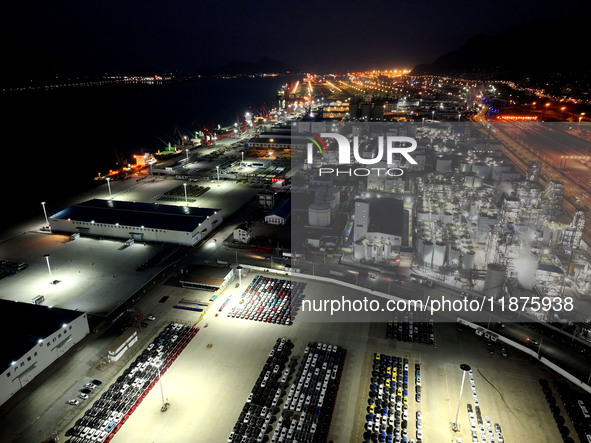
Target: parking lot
column 223, row 379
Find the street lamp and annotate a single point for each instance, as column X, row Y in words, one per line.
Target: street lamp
column 187, row 150
column 243, row 155
column 465, row 368
column 109, row 186
column 186, row 200
column 165, row 403
column 45, row 212
column 48, row 267
column 239, row 275
column 218, row 171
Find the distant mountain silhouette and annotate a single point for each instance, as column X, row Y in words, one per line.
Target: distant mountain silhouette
column 531, row 50
column 263, row 66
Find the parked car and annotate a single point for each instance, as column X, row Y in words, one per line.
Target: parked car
column 73, row 402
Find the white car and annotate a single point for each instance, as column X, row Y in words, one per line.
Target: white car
column 83, row 396
column 73, row 402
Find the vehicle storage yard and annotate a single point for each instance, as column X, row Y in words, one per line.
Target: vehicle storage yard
column 219, row 368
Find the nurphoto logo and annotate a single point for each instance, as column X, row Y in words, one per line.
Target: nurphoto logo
column 387, row 148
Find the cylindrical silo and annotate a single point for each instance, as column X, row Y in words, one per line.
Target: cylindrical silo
column 443, row 165
column 423, row 215
column 447, row 218
column 453, row 257
column 478, row 182
column 427, row 251
column 494, row 280
column 547, row 235
column 420, row 245
column 465, row 167
column 468, row 260
column 335, row 192
column 319, row 214
column 439, row 254
column 469, row 181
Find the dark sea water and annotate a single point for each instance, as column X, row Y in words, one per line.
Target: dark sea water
column 53, row 144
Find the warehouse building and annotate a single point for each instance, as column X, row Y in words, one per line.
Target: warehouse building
column 40, row 336
column 146, row 222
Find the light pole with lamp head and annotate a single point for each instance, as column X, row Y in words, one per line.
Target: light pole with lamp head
column 45, row 213
column 465, row 368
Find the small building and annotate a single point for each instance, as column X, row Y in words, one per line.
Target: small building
column 122, row 344
column 266, row 199
column 37, row 337
column 209, row 278
column 281, row 214
column 242, row 233
column 150, row 222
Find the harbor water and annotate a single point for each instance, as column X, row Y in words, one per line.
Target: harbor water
column 54, row 143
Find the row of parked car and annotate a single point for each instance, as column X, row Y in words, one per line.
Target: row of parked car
column 575, row 409
column 414, row 328
column 308, row 410
column 269, row 300
column 111, row 410
column 477, row 424
column 387, row 411
column 262, row 404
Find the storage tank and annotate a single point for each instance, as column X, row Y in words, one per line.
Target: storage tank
column 387, row 250
column 423, row 215
column 443, row 164
column 427, row 251
column 465, row 167
column 420, row 245
column 469, row 181
column 468, row 260
column 494, row 280
column 547, row 235
column 481, row 169
column 439, row 254
column 319, row 214
column 331, row 201
column 478, row 182
column 453, row 257
column 447, row 218
column 334, row 192
column 360, row 250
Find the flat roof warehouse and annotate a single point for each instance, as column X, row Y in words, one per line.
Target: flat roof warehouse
column 141, row 221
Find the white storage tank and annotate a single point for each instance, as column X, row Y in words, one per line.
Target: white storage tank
column 546, row 235
column 468, row 259
column 423, row 215
column 469, row 181
column 439, row 254
column 427, row 252
column 319, row 214
column 334, row 192
column 478, row 182
column 453, row 257
column 447, row 218
column 443, row 165
column 420, row 246
column 494, row 280
column 465, row 167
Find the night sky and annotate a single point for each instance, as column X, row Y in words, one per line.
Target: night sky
column 115, row 36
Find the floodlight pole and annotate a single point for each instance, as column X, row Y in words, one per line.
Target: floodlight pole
column 45, row 213
column 465, row 368
column 48, row 267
